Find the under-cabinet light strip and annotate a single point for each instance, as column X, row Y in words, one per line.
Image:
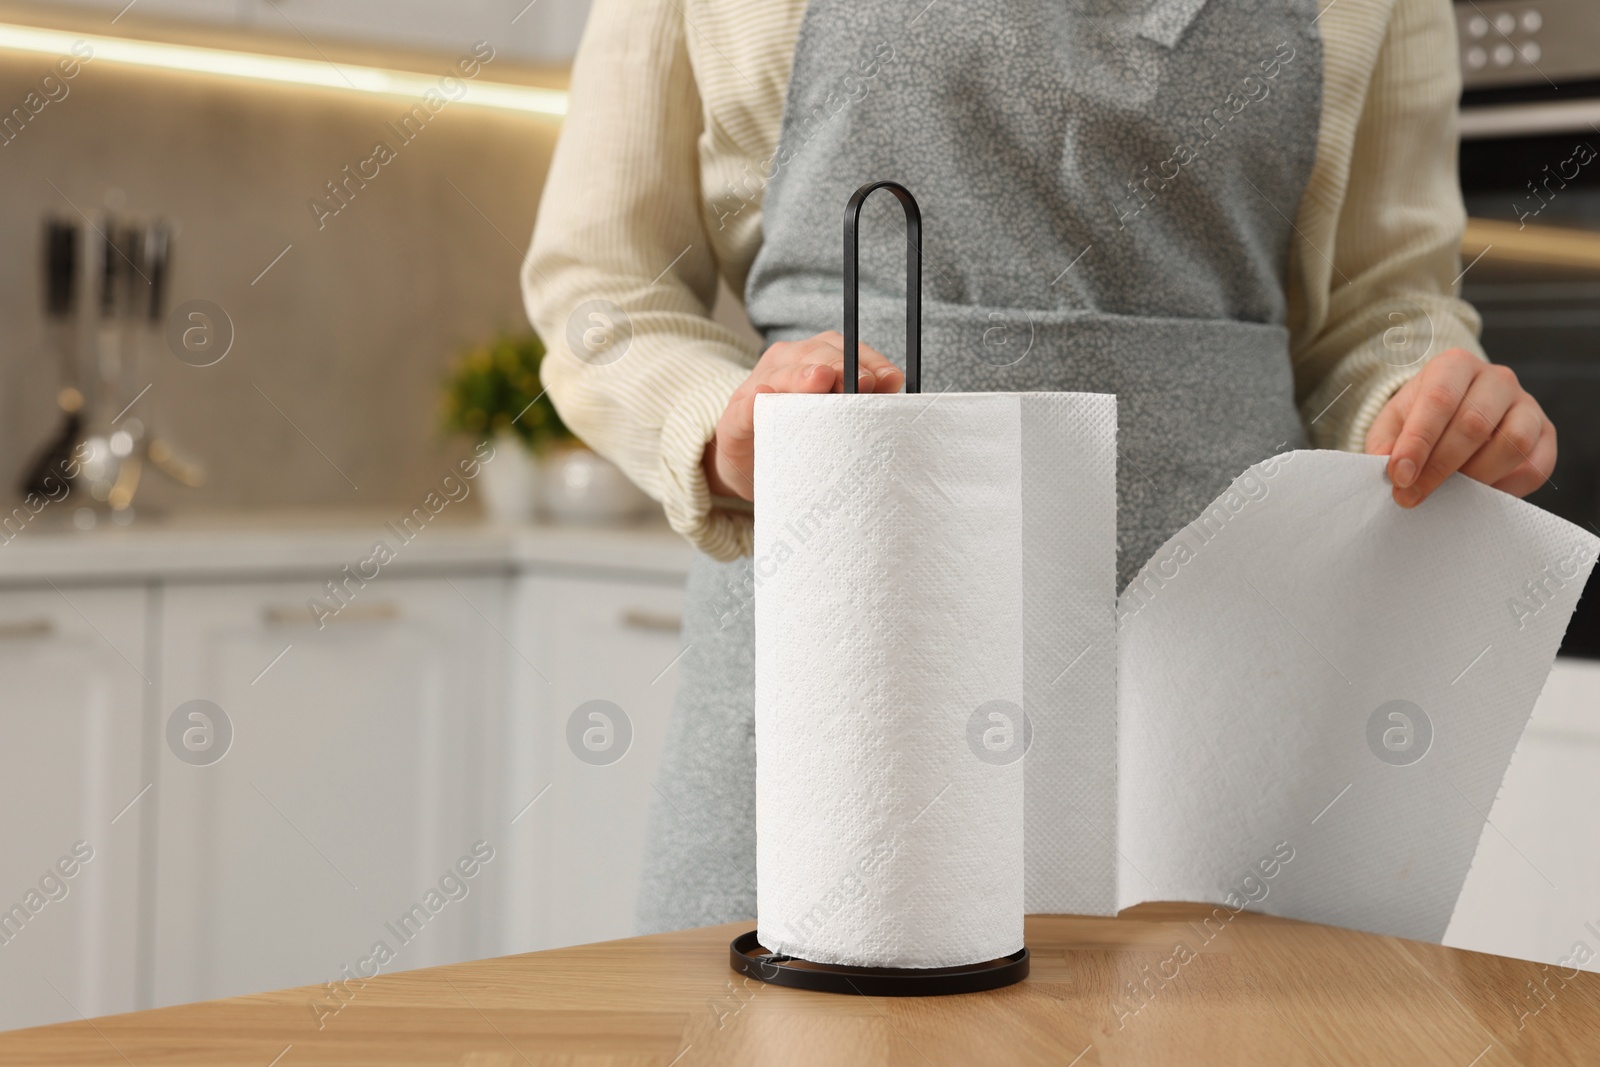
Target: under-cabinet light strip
column 260, row 67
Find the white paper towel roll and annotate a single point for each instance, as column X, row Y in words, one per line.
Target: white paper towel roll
column 889, row 611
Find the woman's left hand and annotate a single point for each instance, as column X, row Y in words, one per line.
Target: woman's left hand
column 1462, row 414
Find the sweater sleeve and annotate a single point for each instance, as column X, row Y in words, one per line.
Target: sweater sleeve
column 621, row 276
column 1379, row 296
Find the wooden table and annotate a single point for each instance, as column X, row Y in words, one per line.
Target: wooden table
column 1260, row 991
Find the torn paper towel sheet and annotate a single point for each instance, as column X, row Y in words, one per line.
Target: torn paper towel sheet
column 926, row 565
column 1320, row 692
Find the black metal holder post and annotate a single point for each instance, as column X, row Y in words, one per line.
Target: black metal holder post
column 852, row 284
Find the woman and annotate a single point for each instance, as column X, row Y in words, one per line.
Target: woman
column 1239, row 216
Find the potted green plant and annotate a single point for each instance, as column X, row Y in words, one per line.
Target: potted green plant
column 493, row 393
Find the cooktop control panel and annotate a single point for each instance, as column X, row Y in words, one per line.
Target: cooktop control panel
column 1528, row 42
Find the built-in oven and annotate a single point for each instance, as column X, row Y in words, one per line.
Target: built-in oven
column 1530, row 172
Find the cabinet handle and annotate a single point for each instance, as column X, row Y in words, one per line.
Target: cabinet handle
column 21, row 628
column 660, row 621
column 298, row 615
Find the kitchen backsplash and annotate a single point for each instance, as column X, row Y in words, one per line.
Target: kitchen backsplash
column 343, row 322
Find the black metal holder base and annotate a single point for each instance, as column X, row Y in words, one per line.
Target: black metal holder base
column 749, row 958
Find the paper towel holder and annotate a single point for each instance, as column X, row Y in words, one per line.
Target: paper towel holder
column 852, row 284
column 746, row 954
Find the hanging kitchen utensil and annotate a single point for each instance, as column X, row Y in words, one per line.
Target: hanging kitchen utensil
column 49, row 475
column 158, row 449
column 111, row 466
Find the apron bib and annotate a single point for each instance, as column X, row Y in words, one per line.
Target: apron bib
column 1107, row 195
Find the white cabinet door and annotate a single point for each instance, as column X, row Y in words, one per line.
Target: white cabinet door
column 605, row 651
column 362, row 757
column 1534, row 888
column 73, row 688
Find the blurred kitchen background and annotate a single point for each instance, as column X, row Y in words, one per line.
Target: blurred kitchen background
column 349, row 330
column 274, row 742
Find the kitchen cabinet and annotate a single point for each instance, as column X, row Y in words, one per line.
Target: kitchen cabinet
column 541, row 32
column 271, row 792
column 605, row 652
column 362, row 767
column 75, row 682
column 1534, row 887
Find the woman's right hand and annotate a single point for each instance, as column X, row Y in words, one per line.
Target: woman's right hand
column 815, row 365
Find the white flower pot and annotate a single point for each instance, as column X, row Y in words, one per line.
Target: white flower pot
column 510, row 481
column 578, row 487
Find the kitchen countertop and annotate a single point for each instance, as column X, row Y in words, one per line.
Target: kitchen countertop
column 1262, row 991
column 267, row 544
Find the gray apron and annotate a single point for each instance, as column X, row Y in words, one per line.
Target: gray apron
column 1106, row 195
